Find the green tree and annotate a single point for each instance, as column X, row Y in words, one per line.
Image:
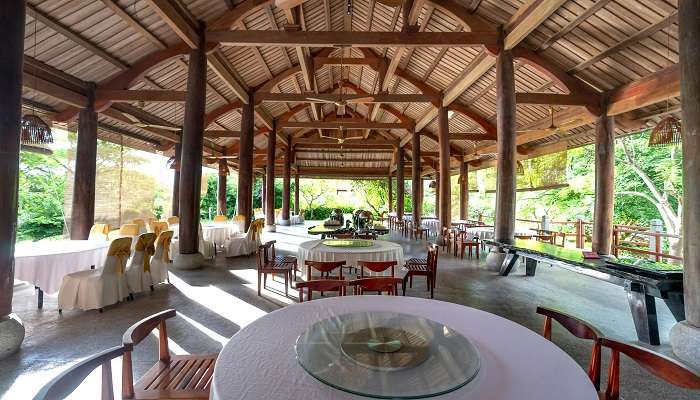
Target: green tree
column 41, row 189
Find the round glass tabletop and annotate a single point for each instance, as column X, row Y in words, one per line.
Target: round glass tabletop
column 348, row 243
column 387, row 355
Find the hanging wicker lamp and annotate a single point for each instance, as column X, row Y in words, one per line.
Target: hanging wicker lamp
column 668, row 132
column 432, row 184
column 519, row 168
column 173, row 163
column 35, row 130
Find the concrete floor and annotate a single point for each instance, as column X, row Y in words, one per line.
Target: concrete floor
column 215, row 302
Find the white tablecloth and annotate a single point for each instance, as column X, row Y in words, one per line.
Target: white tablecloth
column 44, row 264
column 433, row 225
column 487, row 232
column 218, row 233
column 381, row 251
column 259, row 362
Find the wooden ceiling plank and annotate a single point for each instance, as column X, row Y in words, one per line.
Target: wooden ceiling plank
column 126, row 17
column 528, row 18
column 589, row 11
column 329, row 97
column 114, row 95
column 557, row 99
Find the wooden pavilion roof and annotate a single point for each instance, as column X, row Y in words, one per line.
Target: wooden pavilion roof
column 569, row 54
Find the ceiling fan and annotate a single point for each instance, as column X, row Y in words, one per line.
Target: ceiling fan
column 342, row 102
column 342, row 137
column 551, row 128
column 141, row 124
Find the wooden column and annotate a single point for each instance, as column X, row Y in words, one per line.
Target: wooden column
column 437, row 195
column 12, row 15
column 296, row 194
column 263, row 195
column 463, row 190
column 221, row 188
column 416, row 195
column 175, row 209
column 245, row 163
column 270, row 179
column 191, row 158
column 83, row 210
column 390, row 194
column 444, row 152
column 604, row 184
column 286, row 181
column 506, row 148
column 399, row 183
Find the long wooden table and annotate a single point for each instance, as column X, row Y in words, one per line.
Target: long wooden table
column 642, row 287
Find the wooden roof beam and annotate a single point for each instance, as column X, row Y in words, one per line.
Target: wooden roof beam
column 351, row 124
column 558, row 99
column 327, row 97
column 120, row 96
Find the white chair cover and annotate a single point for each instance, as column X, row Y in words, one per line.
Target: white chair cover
column 97, row 288
column 239, row 244
column 138, row 275
column 161, row 258
column 206, row 248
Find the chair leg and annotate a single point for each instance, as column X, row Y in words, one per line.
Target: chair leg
column 411, row 281
column 259, row 280
column 405, row 278
column 286, row 284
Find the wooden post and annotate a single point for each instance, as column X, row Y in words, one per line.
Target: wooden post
column 416, row 197
column 463, row 190
column 506, row 147
column 83, row 210
column 444, row 152
column 221, row 187
column 263, row 196
column 296, row 194
column 12, row 16
column 399, row 183
column 245, row 163
column 286, row 182
column 270, row 179
column 390, row 194
column 604, row 184
column 175, row 209
column 437, row 196
column 191, row 164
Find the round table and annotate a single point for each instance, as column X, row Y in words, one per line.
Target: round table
column 381, row 250
column 259, row 362
column 45, row 263
column 218, row 233
column 432, row 225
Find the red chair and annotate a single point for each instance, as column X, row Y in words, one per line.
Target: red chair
column 379, row 285
column 663, row 367
column 283, row 259
column 581, row 329
column 462, row 241
column 423, row 267
column 325, row 268
column 447, row 236
column 267, row 265
column 323, row 285
column 376, row 266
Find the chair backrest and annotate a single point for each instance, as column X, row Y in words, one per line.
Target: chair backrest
column 663, row 367
column 157, row 227
column 432, row 258
column 321, row 285
column 220, row 218
column 377, row 284
column 145, row 249
column 99, row 232
column 129, row 230
column 140, row 222
column 134, row 335
column 581, row 329
column 324, row 267
column 264, row 253
column 163, row 245
column 117, row 255
column 377, row 266
column 173, row 220
column 67, row 381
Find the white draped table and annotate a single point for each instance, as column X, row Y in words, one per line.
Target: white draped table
column 259, row 362
column 218, row 233
column 381, row 250
column 45, row 263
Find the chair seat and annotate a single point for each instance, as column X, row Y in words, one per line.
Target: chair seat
column 421, row 261
column 184, row 377
column 276, row 267
column 417, row 267
column 285, row 259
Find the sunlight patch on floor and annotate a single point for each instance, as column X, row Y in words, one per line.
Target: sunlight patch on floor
column 249, row 276
column 213, row 335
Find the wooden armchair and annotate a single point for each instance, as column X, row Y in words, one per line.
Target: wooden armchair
column 379, row 285
column 376, row 266
column 423, row 267
column 581, row 329
column 173, row 376
column 323, row 285
column 64, row 384
column 325, row 268
column 267, row 265
column 663, row 367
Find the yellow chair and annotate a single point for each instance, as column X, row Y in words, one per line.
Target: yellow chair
column 220, row 218
column 129, row 230
column 158, row 227
column 99, row 232
column 141, row 223
column 173, row 220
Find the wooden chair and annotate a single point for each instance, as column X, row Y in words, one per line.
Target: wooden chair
column 663, row 367
column 378, row 284
column 419, row 232
column 376, row 266
column 67, row 381
column 423, row 267
column 284, row 259
column 367, row 236
column 173, row 376
column 343, row 235
column 462, row 241
column 220, row 218
column 447, row 236
column 399, row 225
column 174, row 220
column 266, row 265
column 325, row 268
column 322, row 285
column 581, row 329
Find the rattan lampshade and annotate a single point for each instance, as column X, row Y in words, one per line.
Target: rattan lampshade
column 35, row 130
column 666, row 133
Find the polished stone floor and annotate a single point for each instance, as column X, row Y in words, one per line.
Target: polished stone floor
column 215, row 302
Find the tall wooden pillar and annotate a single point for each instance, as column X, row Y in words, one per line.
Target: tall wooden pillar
column 12, row 16
column 296, row 194
column 245, row 163
column 221, row 187
column 685, row 336
column 83, row 210
column 286, row 182
column 389, row 193
column 444, row 152
column 506, row 148
column 191, row 158
column 604, row 184
column 437, row 195
column 270, row 179
column 416, row 195
column 263, row 192
column 175, row 208
column 463, row 190
column 399, row 183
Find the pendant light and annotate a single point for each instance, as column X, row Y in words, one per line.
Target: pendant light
column 668, row 132
column 33, row 129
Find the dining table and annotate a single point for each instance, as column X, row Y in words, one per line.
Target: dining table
column 45, row 263
column 377, row 250
column 496, row 359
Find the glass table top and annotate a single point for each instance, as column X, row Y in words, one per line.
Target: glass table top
column 387, row 355
column 348, row 243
